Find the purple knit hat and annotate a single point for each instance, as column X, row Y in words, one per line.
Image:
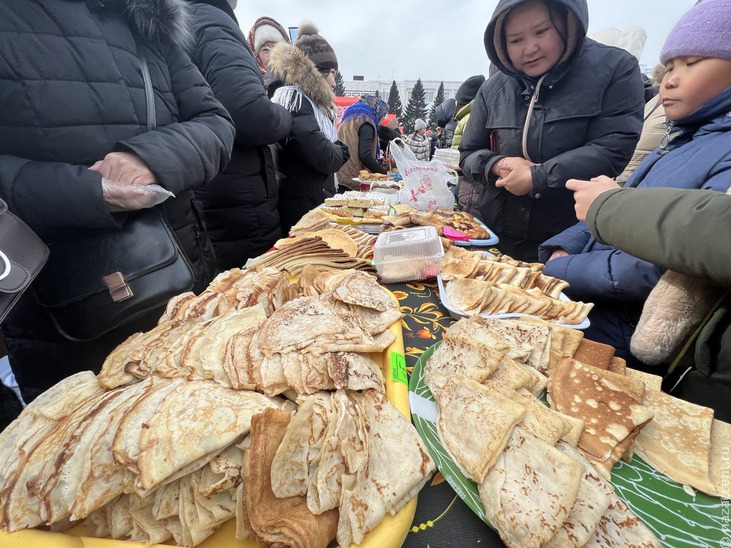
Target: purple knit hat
column 704, row 30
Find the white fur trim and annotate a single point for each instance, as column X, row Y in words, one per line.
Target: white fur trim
column 674, row 309
column 266, row 33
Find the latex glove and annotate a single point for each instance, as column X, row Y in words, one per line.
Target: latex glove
column 585, row 192
column 126, row 197
column 124, row 167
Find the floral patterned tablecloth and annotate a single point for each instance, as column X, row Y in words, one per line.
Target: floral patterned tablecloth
column 442, row 519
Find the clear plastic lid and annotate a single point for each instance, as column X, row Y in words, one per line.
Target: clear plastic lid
column 409, row 243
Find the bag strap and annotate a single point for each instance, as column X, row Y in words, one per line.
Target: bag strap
column 149, row 92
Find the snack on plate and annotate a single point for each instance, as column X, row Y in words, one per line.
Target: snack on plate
column 365, row 175
column 366, row 207
column 461, row 221
column 677, row 442
column 272, row 519
column 457, row 220
column 479, row 283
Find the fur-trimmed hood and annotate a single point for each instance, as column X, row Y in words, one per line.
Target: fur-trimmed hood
column 155, row 20
column 294, row 68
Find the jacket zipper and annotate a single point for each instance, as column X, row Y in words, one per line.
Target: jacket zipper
column 666, row 138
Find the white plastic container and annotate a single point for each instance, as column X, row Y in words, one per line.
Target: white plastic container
column 408, row 254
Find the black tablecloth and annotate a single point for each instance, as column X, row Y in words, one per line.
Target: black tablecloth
column 441, row 519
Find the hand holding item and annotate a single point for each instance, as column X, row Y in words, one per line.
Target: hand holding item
column 124, row 167
column 585, row 192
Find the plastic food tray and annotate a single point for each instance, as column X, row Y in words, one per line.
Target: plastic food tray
column 409, row 254
column 391, row 531
column 456, row 314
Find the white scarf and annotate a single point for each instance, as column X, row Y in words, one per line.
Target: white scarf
column 290, row 97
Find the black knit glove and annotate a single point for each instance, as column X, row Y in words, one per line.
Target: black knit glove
column 344, row 148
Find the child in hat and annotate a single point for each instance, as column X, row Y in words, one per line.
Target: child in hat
column 694, row 154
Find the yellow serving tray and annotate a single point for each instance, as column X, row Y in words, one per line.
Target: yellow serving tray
column 391, row 532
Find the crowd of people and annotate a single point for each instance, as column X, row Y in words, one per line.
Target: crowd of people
column 615, row 183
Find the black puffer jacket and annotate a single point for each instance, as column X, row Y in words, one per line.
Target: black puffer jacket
column 241, row 203
column 72, row 91
column 585, row 122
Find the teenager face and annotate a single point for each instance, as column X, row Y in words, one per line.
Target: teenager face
column 690, row 82
column 534, row 45
column 330, row 78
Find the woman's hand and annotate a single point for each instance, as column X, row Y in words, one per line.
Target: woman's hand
column 125, row 179
column 514, row 175
column 585, row 192
column 124, row 167
column 558, row 252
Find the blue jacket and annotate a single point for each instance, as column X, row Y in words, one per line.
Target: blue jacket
column 698, row 157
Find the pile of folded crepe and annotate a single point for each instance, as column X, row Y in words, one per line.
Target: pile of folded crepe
column 150, row 461
column 322, row 249
column 477, row 283
column 154, row 447
column 333, row 470
column 543, row 473
column 260, row 331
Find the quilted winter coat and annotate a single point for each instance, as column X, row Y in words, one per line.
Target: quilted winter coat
column 72, row 91
column 687, row 231
column 241, row 203
column 585, row 121
column 698, row 157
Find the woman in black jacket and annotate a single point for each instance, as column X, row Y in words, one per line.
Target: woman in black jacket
column 74, row 111
column 241, row 203
column 309, row 158
column 562, row 106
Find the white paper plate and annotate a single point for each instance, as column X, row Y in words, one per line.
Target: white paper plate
column 456, row 314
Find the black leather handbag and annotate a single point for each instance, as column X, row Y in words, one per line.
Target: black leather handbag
column 104, row 279
column 22, row 255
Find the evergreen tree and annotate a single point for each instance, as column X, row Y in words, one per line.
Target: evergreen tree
column 438, row 100
column 394, row 101
column 339, row 85
column 416, row 108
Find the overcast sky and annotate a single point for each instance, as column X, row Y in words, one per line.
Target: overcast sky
column 438, row 40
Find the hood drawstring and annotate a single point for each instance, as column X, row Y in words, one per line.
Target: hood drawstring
column 533, row 101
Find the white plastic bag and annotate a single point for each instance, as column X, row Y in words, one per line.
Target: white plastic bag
column 425, row 183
